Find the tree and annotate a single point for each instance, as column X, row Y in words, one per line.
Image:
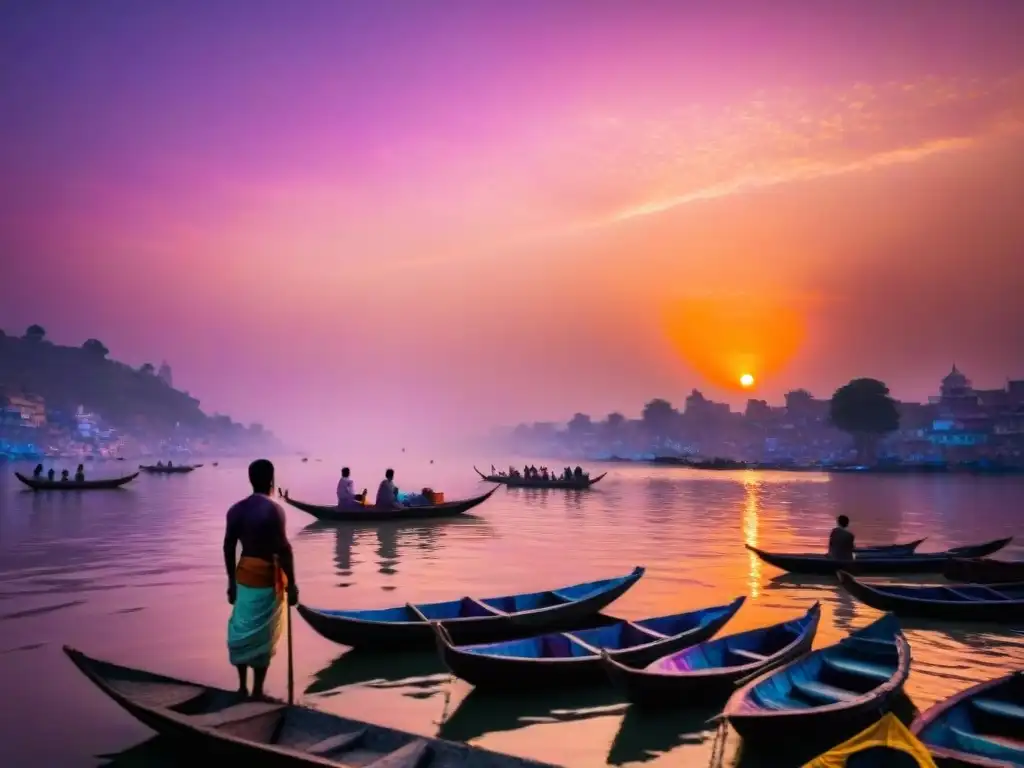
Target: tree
column 146, row 369
column 35, row 333
column 660, row 418
column 96, row 348
column 865, row 411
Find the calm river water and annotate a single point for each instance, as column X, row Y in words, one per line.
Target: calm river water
column 136, row 576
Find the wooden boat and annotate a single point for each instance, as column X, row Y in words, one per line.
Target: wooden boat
column 40, row 484
column 957, row 602
column 536, row 482
column 914, row 563
column 177, row 469
column 469, row 619
column 563, row 659
column 831, row 693
column 886, row 744
column 368, row 513
column 205, row 720
column 889, row 549
column 980, row 726
column 981, row 570
column 712, row 668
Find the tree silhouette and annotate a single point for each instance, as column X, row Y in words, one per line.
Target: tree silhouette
column 864, row 410
column 35, row 333
column 146, row 369
column 96, row 348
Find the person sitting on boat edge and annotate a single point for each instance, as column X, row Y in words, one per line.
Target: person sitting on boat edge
column 64, row 476
column 258, row 580
column 387, row 494
column 37, row 473
column 840, row 541
column 50, row 474
column 80, row 474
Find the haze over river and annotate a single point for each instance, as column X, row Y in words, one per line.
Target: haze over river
column 136, row 576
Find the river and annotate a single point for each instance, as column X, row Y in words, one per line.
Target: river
column 136, row 576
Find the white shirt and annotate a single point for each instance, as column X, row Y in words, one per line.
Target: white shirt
column 346, row 492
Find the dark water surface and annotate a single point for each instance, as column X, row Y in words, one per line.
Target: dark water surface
column 136, row 576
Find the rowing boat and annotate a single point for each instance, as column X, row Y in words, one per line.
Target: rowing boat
column 832, row 693
column 370, row 513
column 956, row 602
column 536, row 482
column 981, row 570
column 178, row 470
column 564, row 659
column 862, row 566
column 980, row 726
column 889, row 549
column 711, row 669
column 204, row 719
column 38, row 484
column 886, row 744
column 468, row 619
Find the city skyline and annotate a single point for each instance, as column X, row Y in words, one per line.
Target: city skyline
column 462, row 214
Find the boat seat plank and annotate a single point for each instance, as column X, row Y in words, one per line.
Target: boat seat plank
column 235, row 713
column 823, row 692
column 157, row 694
column 409, row 756
column 573, row 639
column 971, row 598
column 999, row 748
column 417, row 612
column 560, row 596
column 859, row 667
column 647, row 632
column 743, row 653
column 995, row 593
column 336, row 742
column 870, row 645
column 489, row 608
column 1000, row 708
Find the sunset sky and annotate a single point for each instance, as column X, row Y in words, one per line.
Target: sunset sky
column 327, row 214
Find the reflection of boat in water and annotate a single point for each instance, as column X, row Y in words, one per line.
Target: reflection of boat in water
column 644, row 736
column 157, row 752
column 381, row 670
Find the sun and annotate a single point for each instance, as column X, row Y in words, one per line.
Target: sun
column 746, row 381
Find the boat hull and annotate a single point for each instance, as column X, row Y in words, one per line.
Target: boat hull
column 522, row 482
column 153, row 470
column 926, row 602
column 72, row 485
column 370, row 514
column 984, row 571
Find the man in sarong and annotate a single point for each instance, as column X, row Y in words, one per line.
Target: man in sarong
column 259, row 580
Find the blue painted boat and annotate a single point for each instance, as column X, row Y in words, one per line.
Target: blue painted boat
column 831, row 693
column 980, row 726
column 711, row 669
column 468, row 619
column 574, row 658
column 1003, row 603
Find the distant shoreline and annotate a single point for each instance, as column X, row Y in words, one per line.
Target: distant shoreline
column 882, row 469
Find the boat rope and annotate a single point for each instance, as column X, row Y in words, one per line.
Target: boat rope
column 718, row 745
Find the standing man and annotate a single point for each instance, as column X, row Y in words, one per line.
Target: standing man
column 258, row 581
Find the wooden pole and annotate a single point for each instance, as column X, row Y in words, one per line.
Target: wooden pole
column 291, row 664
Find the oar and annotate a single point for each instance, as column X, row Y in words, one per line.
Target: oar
column 291, row 665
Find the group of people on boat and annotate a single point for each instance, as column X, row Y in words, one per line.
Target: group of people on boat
column 388, row 495
column 531, row 472
column 37, row 473
column 161, row 464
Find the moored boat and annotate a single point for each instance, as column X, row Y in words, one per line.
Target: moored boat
column 40, row 484
column 955, row 602
column 177, row 469
column 369, row 513
column 829, row 694
column 563, row 659
column 890, row 549
column 204, row 719
column 712, row 668
column 558, row 483
column 980, row 726
column 982, row 570
column 886, row 744
column 823, row 565
column 468, row 619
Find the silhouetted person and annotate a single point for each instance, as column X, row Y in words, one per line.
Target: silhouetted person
column 387, row 493
column 37, row 473
column 347, row 491
column 80, row 474
column 578, row 472
column 840, row 541
column 64, row 476
column 258, row 581
column 49, row 475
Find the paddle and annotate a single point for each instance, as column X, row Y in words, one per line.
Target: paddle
column 291, row 665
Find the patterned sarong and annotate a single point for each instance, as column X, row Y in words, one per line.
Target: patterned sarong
column 259, row 612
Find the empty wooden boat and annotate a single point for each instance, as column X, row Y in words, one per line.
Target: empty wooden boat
column 874, row 564
column 982, row 570
column 711, row 669
column 956, row 602
column 574, row 658
column 369, row 513
column 555, row 483
column 886, row 744
column 829, row 694
column 468, row 619
column 981, row 726
column 44, row 484
column 208, row 720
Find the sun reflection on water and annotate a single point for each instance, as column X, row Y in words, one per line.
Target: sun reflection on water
column 751, row 510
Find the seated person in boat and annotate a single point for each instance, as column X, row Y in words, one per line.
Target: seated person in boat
column 49, row 475
column 578, row 473
column 544, row 474
column 80, row 474
column 37, row 473
column 387, row 493
column 64, row 478
column 840, row 541
column 259, row 580
column 159, row 463
column 347, row 497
